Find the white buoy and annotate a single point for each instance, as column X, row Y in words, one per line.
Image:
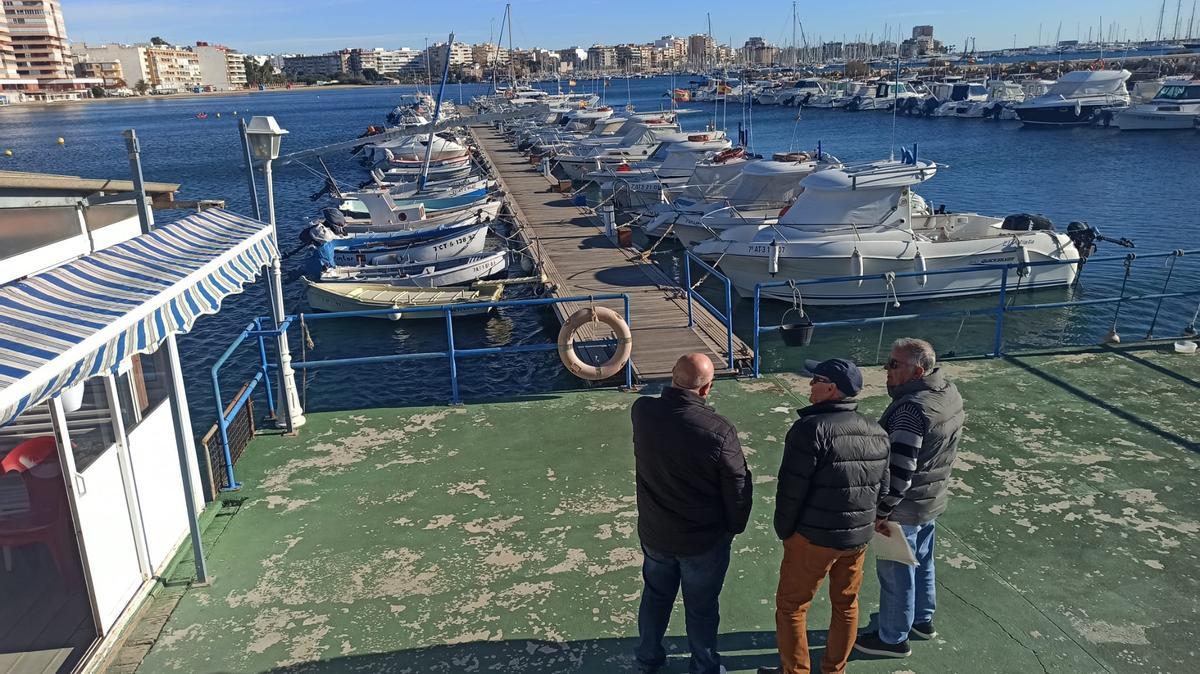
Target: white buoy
column 1023, row 261
column 773, row 258
column 857, row 266
column 919, row 267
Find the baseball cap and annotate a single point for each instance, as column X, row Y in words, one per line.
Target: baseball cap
column 843, row 373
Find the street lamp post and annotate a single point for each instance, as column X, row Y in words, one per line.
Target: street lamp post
column 264, row 135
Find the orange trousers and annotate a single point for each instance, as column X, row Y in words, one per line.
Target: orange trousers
column 803, row 568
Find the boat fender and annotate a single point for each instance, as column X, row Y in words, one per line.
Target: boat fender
column 856, row 265
column 1022, row 261
column 566, row 344
column 773, row 258
column 920, row 267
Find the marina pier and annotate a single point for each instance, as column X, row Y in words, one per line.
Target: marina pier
column 578, row 259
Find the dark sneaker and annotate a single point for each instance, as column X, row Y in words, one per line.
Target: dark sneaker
column 871, row 644
column 924, row 630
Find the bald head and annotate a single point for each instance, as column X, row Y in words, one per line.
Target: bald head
column 693, row 372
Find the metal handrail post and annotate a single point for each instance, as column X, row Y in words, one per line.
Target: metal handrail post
column 265, row 367
column 454, row 397
column 757, row 328
column 629, row 361
column 1001, row 308
column 687, row 280
column 222, row 422
column 729, row 320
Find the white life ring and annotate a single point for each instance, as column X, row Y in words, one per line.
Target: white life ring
column 566, row 343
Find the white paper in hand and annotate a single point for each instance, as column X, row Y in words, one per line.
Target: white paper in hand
column 893, row 548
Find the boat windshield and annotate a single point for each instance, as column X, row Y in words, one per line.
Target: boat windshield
column 1179, row 92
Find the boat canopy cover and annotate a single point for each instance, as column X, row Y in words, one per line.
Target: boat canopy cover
column 84, row 318
column 1079, row 83
column 770, row 181
column 865, row 196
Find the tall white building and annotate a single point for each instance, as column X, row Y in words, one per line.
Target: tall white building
column 35, row 58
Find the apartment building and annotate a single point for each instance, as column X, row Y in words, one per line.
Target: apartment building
column 221, row 68
column 403, row 60
column 165, row 69
column 601, row 58
column 109, row 73
column 35, row 58
column 321, row 65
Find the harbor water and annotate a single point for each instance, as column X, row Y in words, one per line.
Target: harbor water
column 1137, row 185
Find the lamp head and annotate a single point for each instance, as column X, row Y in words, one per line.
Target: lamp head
column 265, row 135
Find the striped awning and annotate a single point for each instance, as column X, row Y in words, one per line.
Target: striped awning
column 85, row 317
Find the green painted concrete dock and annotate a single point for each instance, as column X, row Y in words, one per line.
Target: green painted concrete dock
column 501, row 537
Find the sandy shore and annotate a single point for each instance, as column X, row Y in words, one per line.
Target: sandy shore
column 205, row 94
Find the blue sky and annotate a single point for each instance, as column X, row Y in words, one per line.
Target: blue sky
column 312, row 26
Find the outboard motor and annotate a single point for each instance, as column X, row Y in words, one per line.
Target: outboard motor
column 1027, row 222
column 930, row 105
column 1085, row 237
column 855, row 103
column 334, row 220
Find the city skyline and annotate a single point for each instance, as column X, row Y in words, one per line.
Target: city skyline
column 317, row 28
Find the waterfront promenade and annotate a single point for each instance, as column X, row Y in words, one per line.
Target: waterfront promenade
column 501, row 537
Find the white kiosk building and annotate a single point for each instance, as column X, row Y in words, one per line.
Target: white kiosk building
column 99, row 483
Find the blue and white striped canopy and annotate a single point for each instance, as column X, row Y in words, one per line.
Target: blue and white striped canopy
column 62, row 326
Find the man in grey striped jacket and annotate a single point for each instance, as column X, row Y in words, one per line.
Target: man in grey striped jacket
column 924, row 424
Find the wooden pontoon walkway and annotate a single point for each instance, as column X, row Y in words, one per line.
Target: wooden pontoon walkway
column 578, row 259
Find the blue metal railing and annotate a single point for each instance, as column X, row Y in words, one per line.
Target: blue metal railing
column 997, row 312
column 725, row 317
column 452, row 353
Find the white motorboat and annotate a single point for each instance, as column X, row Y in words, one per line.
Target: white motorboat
column 436, row 274
column 804, row 91
column 410, row 150
column 882, row 95
column 756, row 195
column 848, row 222
column 1079, row 98
column 637, row 145
column 1175, row 106
column 636, row 184
column 837, row 94
column 964, row 99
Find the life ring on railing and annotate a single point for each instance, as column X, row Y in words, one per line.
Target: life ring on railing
column 566, row 343
column 725, row 155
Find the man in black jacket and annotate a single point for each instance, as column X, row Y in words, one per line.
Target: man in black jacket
column 693, row 496
column 834, row 470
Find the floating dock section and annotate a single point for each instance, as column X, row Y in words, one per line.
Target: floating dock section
column 578, row 259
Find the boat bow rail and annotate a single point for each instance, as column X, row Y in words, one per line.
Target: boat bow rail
column 1003, row 305
column 260, row 332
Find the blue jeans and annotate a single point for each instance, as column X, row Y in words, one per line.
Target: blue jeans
column 702, row 577
column 906, row 593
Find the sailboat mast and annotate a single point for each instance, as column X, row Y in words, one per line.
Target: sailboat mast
column 1162, row 9
column 499, row 41
column 795, row 56
column 512, row 69
column 437, row 111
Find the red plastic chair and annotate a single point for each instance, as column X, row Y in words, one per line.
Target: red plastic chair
column 47, row 521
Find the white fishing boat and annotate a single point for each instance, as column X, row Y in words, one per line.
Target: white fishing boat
column 1175, row 106
column 384, row 215
column 847, row 222
column 447, row 272
column 422, row 245
column 837, row 94
column 367, row 296
column 962, row 99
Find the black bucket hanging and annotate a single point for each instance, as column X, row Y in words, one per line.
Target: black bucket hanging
column 798, row 332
